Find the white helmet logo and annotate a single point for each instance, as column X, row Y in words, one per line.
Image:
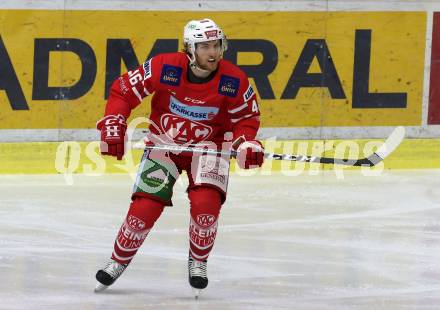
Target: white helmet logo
column 211, row 34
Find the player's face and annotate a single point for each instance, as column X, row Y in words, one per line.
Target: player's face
column 208, row 55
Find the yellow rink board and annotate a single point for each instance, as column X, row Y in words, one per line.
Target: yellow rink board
column 84, row 157
column 396, row 64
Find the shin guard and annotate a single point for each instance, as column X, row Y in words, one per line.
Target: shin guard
column 205, row 209
column 141, row 216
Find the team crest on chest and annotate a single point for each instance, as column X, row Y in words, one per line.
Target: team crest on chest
column 171, row 75
column 182, row 130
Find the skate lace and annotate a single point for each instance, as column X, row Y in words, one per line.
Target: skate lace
column 197, row 268
column 114, row 269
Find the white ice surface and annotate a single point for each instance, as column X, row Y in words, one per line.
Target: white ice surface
column 306, row 242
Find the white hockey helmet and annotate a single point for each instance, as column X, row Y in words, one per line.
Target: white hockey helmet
column 203, row 30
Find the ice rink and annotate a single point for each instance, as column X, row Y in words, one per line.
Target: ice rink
column 304, row 242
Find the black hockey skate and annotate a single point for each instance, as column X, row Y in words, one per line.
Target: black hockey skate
column 197, row 275
column 108, row 275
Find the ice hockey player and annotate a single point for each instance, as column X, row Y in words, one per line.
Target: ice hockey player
column 198, row 99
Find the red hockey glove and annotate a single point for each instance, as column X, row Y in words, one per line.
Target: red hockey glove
column 112, row 129
column 250, row 154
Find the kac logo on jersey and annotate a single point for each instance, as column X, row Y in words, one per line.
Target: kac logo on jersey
column 171, row 75
column 228, row 86
column 195, row 113
column 182, row 130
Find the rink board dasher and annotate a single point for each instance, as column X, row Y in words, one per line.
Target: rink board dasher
column 84, row 157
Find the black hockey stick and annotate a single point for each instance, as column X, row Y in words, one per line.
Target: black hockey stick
column 390, row 144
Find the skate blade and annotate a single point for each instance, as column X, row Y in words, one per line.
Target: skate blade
column 100, row 287
column 196, row 293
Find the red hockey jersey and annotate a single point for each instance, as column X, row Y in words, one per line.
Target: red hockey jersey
column 188, row 112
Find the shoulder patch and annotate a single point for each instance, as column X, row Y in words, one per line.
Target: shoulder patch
column 248, row 93
column 171, row 75
column 228, row 86
column 147, row 69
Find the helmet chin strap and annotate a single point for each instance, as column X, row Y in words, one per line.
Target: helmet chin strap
column 193, row 64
